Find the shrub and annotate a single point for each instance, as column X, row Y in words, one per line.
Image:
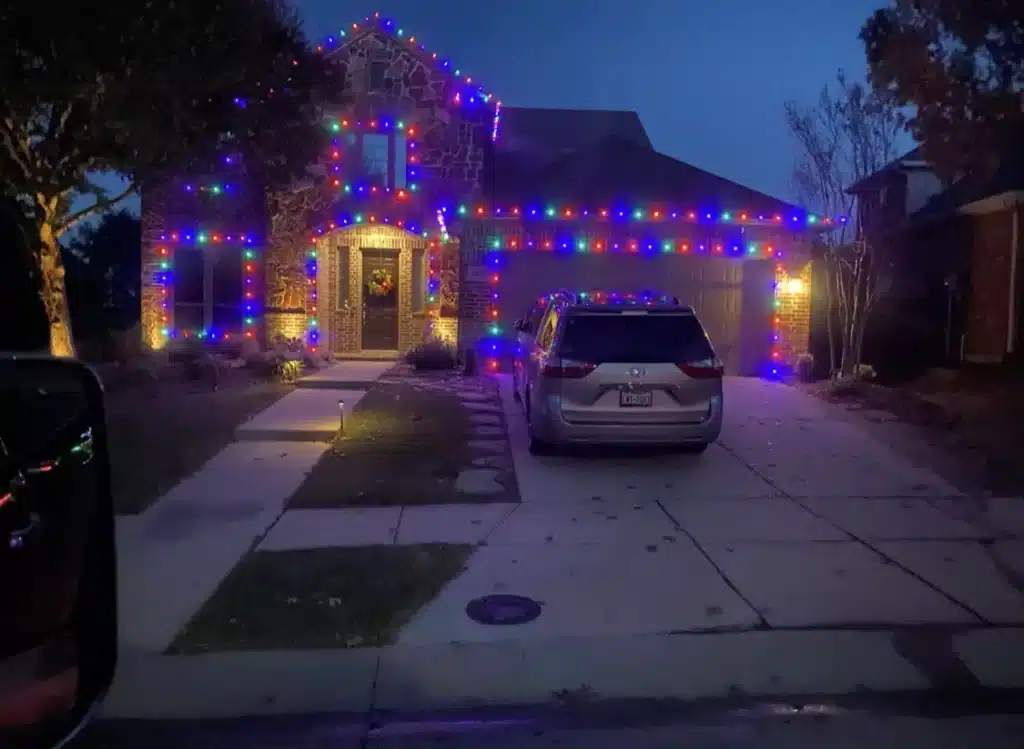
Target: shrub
column 805, row 367
column 288, row 371
column 433, row 355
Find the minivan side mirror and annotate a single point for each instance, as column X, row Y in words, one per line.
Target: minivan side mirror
column 58, row 569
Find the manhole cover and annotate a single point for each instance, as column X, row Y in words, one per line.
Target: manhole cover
column 503, row 609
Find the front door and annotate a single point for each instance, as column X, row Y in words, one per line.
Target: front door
column 380, row 300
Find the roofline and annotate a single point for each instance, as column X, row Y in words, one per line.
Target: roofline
column 386, row 26
column 993, row 203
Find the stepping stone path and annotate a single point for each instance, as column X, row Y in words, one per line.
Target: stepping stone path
column 488, row 437
column 478, row 481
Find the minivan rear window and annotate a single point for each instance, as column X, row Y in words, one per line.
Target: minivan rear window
column 607, row 338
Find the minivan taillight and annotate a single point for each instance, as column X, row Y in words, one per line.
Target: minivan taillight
column 705, row 369
column 567, row 370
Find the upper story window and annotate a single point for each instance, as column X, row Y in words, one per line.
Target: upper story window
column 381, row 158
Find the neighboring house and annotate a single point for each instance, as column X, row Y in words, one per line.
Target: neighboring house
column 961, row 242
column 437, row 212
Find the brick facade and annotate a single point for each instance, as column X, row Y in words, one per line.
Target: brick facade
column 990, row 270
column 340, row 321
column 386, row 78
column 793, row 298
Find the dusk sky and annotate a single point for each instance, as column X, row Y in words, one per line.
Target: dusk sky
column 708, row 78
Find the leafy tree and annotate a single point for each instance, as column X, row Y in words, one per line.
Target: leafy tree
column 144, row 89
column 103, row 267
column 960, row 66
column 847, row 135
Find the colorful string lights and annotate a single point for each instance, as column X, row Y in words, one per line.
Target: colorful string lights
column 381, row 126
column 623, row 214
column 214, row 189
column 312, row 300
column 357, row 219
column 589, row 244
column 164, row 280
column 474, row 93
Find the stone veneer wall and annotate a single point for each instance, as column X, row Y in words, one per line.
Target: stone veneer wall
column 341, row 325
column 382, row 79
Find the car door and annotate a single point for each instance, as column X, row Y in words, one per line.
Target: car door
column 526, row 334
column 538, row 352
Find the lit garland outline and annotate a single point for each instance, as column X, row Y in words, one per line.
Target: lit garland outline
column 477, row 96
column 164, row 280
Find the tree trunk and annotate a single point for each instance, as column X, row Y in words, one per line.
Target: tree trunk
column 830, row 326
column 53, row 292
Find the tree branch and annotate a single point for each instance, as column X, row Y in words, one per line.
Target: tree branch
column 101, row 205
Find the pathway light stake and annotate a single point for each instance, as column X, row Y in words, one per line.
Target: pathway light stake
column 341, row 417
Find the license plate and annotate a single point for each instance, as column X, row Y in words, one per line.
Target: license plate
column 636, row 398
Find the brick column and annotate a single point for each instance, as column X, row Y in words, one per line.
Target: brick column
column 793, row 286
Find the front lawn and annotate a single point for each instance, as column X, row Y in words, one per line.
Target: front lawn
column 164, row 431
column 321, row 598
column 406, row 443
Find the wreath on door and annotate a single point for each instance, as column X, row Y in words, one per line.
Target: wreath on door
column 381, row 282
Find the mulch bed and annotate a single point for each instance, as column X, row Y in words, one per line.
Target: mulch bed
column 405, row 443
column 969, row 433
column 321, row 598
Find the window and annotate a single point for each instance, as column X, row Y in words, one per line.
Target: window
column 547, row 330
column 419, row 279
column 375, row 156
column 611, row 337
column 382, row 157
column 343, row 277
column 209, row 290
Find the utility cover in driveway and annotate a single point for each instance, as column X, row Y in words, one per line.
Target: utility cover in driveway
column 501, row 609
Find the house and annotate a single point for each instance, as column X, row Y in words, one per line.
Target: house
column 436, row 212
column 956, row 253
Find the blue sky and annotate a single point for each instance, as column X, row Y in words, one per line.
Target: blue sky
column 708, row 77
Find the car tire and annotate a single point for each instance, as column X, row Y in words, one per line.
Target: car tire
column 539, row 447
column 695, row 449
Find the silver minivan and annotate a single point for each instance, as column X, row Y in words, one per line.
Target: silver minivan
column 618, row 369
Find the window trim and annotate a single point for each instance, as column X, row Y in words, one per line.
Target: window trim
column 391, row 181
column 343, row 271
column 419, row 279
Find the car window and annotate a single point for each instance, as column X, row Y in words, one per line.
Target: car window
column 604, row 337
column 535, row 316
column 547, row 331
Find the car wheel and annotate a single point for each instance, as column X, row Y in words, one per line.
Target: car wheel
column 539, row 447
column 695, row 449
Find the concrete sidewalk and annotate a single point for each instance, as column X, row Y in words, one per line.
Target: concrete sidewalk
column 313, row 411
column 514, row 672
column 172, row 557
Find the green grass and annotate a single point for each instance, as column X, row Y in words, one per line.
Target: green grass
column 401, row 446
column 163, row 433
column 321, row 598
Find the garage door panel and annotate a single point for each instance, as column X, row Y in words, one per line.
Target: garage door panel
column 714, row 287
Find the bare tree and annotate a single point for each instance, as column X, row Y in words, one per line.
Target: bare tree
column 847, row 135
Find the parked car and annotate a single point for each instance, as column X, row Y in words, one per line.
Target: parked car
column 618, row 369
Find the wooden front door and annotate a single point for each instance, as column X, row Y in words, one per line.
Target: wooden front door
column 380, row 300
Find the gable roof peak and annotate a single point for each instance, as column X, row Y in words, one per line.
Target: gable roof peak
column 391, row 30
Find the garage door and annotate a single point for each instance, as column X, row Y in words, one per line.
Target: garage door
column 732, row 297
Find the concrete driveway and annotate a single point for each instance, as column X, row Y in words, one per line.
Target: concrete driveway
column 800, row 555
